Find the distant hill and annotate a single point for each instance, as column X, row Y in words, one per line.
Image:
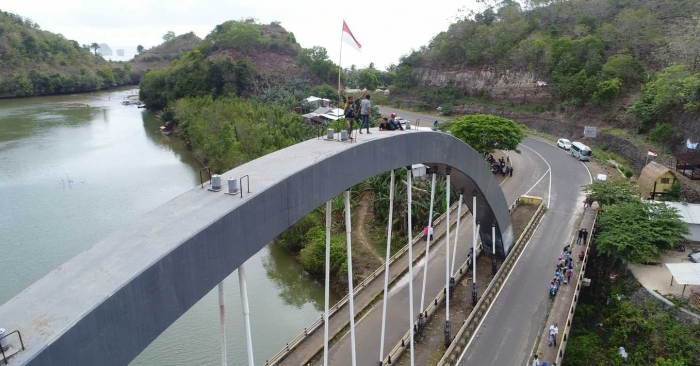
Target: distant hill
column 161, row 55
column 37, row 62
column 240, row 58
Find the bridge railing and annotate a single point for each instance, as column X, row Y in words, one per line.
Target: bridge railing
column 469, row 327
column 316, row 325
column 574, row 301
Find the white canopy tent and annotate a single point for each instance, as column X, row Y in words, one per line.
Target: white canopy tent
column 684, row 273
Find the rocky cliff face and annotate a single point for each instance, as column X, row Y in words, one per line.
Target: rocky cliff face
column 500, row 85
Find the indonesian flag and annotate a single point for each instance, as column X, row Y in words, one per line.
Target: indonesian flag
column 349, row 38
column 651, row 152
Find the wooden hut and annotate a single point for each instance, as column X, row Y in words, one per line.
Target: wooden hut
column 655, row 181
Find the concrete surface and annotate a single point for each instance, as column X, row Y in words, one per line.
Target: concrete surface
column 368, row 328
column 562, row 302
column 508, row 333
column 658, row 278
column 104, row 306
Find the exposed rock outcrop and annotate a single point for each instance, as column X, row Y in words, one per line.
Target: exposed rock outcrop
column 500, row 85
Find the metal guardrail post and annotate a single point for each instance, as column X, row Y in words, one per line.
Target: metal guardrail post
column 247, row 177
column 21, row 342
column 201, row 180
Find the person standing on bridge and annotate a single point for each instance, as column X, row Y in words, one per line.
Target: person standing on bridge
column 350, row 114
column 585, row 236
column 553, row 332
column 365, row 113
column 580, row 236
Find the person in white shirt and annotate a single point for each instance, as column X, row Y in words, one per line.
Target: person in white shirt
column 536, row 361
column 553, row 332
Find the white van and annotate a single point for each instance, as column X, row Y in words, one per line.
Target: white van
column 581, row 151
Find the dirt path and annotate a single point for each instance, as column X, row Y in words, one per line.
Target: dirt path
column 364, row 211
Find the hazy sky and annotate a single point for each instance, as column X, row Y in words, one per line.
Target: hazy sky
column 386, row 29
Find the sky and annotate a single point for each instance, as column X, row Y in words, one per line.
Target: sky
column 387, row 29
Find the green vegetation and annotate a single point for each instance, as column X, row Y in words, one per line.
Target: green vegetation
column 612, row 192
column 593, row 54
column 635, row 232
column 171, row 49
column 674, row 89
column 631, row 230
column 486, row 133
column 229, row 131
column 607, row 319
column 37, row 62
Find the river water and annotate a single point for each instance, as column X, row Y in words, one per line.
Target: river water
column 72, row 174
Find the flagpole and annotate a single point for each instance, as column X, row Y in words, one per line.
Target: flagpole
column 340, row 63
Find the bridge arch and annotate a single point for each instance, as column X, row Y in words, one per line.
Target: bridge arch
column 108, row 303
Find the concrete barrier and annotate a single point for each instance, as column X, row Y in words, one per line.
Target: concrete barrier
column 318, row 324
column 574, row 301
column 469, row 327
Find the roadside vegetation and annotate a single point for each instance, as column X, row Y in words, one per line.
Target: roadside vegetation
column 630, row 230
column 37, row 62
column 615, row 311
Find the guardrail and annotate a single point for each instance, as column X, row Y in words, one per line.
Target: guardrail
column 316, row 325
column 574, row 301
column 469, row 327
column 401, row 347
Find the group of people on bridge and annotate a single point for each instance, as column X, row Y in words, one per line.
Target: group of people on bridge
column 499, row 166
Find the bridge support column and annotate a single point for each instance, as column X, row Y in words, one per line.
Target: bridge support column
column 351, row 294
column 329, row 209
column 427, row 242
column 454, row 247
column 222, row 323
column 386, row 265
column 447, row 261
column 409, row 192
column 246, row 313
column 474, row 234
column 494, row 267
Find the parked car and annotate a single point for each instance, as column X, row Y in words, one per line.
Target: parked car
column 564, row 144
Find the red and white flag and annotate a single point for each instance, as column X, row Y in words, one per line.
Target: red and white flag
column 349, row 38
column 652, row 152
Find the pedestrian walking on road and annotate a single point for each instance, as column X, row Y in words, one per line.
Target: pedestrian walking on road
column 585, row 236
column 569, row 273
column 365, row 113
column 535, row 361
column 553, row 332
column 510, row 172
column 580, row 236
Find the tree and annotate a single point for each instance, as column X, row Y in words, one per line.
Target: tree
column 95, row 47
column 635, row 232
column 612, row 192
column 368, row 80
column 169, row 36
column 485, row 133
column 140, row 49
column 661, row 134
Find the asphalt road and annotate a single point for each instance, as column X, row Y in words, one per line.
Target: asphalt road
column 425, row 120
column 529, row 168
column 509, row 331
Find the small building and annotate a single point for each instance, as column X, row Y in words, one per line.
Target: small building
column 690, row 213
column 688, row 164
column 316, row 102
column 655, row 181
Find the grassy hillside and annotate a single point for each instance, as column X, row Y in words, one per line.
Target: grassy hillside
column 632, row 63
column 166, row 52
column 36, row 62
column 243, row 59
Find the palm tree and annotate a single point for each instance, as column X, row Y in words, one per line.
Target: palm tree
column 95, row 47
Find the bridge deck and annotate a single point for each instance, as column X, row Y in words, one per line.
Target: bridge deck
column 108, row 303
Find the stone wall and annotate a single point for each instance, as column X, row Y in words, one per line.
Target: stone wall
column 501, row 85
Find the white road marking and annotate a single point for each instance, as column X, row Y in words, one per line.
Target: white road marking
column 549, row 194
column 476, row 331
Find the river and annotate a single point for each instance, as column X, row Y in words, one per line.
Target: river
column 71, row 174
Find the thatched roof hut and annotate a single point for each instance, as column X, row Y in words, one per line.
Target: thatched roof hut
column 655, row 180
